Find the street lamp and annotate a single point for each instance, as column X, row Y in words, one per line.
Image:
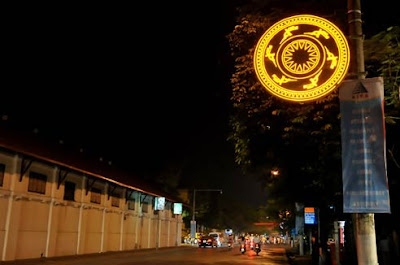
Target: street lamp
column 275, row 172
column 193, row 222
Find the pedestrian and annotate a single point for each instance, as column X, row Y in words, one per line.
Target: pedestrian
column 316, row 254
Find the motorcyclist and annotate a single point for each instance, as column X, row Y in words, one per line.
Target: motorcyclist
column 257, row 245
column 251, row 238
column 251, row 241
column 230, row 240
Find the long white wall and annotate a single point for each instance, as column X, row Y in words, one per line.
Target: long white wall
column 33, row 225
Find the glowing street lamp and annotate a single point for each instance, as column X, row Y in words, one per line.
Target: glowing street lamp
column 273, row 176
column 275, row 172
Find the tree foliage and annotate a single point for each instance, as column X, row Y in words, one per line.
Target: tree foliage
column 382, row 52
column 301, row 140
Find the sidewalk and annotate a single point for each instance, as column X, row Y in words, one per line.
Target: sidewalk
column 92, row 258
column 294, row 258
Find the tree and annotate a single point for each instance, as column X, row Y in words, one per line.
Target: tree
column 303, row 140
column 270, row 133
column 382, row 53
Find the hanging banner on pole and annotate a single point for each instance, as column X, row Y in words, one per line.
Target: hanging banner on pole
column 365, row 185
column 193, row 229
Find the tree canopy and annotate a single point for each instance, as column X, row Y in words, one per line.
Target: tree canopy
column 301, row 140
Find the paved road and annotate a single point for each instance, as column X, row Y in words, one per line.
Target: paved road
column 270, row 255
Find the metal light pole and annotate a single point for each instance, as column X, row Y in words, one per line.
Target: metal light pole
column 193, row 222
column 364, row 222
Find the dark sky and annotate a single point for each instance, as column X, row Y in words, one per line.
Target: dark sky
column 142, row 85
column 146, row 71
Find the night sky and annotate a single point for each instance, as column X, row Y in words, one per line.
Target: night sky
column 142, row 85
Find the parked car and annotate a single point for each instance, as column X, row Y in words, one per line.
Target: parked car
column 207, row 241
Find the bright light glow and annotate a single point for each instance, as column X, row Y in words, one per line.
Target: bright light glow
column 275, row 172
column 301, row 58
column 177, row 208
column 159, row 203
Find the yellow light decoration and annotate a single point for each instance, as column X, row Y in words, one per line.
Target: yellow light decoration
column 302, row 58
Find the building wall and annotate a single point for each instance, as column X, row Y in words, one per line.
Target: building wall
column 34, row 225
column 173, row 239
column 64, row 230
column 144, row 231
column 130, row 222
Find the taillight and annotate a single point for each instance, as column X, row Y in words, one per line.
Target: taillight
column 209, row 240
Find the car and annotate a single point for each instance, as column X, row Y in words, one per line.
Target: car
column 206, row 241
column 217, row 237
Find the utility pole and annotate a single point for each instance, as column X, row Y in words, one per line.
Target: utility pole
column 364, row 223
column 193, row 222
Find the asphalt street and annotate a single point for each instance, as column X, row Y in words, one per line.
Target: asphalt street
column 184, row 255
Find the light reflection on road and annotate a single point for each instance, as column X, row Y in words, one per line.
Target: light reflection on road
column 217, row 256
column 185, row 255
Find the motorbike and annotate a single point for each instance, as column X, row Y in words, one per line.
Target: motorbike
column 251, row 245
column 229, row 245
column 257, row 248
column 242, row 248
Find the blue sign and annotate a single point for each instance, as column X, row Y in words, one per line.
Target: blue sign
column 365, row 185
column 309, row 219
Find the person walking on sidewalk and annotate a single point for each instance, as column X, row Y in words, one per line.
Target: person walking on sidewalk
column 316, row 255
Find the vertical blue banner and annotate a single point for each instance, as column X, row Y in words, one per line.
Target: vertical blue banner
column 365, row 185
column 193, row 229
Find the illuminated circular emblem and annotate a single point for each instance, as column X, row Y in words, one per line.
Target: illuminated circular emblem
column 301, row 58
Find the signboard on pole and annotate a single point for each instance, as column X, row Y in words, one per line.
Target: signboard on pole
column 309, row 216
column 177, row 208
column 365, row 185
column 159, row 203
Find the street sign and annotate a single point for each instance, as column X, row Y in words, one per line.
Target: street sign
column 309, row 216
column 177, row 208
column 301, row 58
column 159, row 203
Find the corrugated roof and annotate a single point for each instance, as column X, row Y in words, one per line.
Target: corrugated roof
column 33, row 146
